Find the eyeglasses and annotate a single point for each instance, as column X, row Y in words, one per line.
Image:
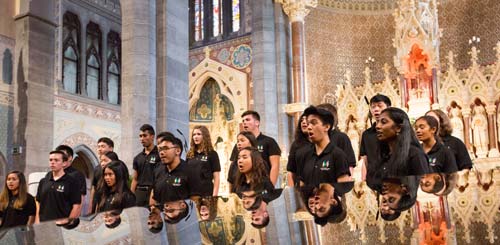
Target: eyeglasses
column 166, row 148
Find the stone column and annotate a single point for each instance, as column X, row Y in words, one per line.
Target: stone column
column 35, row 27
column 466, row 114
column 172, row 83
column 493, row 149
column 297, row 10
column 138, row 73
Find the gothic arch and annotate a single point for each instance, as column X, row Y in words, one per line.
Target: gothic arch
column 3, row 167
column 232, row 83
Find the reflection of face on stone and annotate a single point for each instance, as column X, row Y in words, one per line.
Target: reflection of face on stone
column 431, row 183
column 155, row 222
column 204, row 212
column 112, row 218
column 391, row 194
column 324, row 200
column 248, row 199
column 260, row 216
column 172, row 210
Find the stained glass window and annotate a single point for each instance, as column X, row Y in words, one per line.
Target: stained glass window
column 70, row 73
column 198, row 20
column 217, row 17
column 93, row 84
column 236, row 15
column 93, row 77
column 113, row 83
column 70, row 57
column 114, row 54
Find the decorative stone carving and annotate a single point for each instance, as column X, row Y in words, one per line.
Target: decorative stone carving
column 297, row 10
column 86, row 109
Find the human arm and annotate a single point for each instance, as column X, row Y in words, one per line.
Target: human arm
column 75, row 211
column 275, row 166
column 216, row 183
column 133, row 185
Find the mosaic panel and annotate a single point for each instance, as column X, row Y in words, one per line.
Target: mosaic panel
column 345, row 44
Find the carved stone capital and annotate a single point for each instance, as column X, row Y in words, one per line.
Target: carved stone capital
column 293, row 108
column 297, row 10
column 491, row 109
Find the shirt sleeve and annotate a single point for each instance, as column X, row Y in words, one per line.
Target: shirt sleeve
column 135, row 164
column 39, row 189
column 234, row 154
column 75, row 194
column 273, row 148
column 341, row 165
column 362, row 150
column 214, row 161
column 462, row 156
column 346, row 146
column 291, row 166
column 30, row 206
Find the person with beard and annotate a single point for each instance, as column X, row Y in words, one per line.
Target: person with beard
column 144, row 166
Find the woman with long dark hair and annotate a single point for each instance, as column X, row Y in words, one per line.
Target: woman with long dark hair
column 17, row 206
column 301, row 140
column 399, row 152
column 252, row 172
column 458, row 147
column 441, row 159
column 204, row 161
column 244, row 139
column 115, row 193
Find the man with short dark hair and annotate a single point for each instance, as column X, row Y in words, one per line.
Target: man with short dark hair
column 369, row 147
column 322, row 161
column 144, row 165
column 172, row 176
column 340, row 139
column 58, row 193
column 266, row 145
column 73, row 172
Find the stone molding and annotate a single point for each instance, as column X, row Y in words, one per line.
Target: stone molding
column 297, row 10
column 360, row 6
column 95, row 111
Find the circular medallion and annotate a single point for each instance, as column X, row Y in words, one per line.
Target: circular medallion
column 242, row 56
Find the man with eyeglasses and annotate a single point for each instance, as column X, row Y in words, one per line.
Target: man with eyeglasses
column 172, row 177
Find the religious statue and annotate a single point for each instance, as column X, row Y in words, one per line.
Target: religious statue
column 457, row 124
column 479, row 125
column 353, row 133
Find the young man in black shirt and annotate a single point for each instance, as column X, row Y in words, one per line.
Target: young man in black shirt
column 172, row 177
column 322, row 161
column 266, row 145
column 58, row 194
column 144, row 165
column 73, row 172
column 368, row 148
column 339, row 138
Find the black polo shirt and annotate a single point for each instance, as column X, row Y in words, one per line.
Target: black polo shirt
column 80, row 178
column 441, row 159
column 416, row 163
column 296, row 146
column 145, row 166
column 267, row 147
column 342, row 141
column 12, row 217
column 172, row 185
column 57, row 197
column 97, row 175
column 458, row 148
column 114, row 202
column 323, row 168
column 369, row 145
column 203, row 167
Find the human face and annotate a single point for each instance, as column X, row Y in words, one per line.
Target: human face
column 12, row 182
column 391, row 194
column 250, row 124
column 260, row 214
column 197, row 136
column 316, row 129
column 104, row 160
column 242, row 142
column 423, row 131
column 154, row 219
column 248, row 199
column 109, row 177
column 323, row 200
column 376, row 108
column 387, row 129
column 172, row 210
column 204, row 212
column 428, row 181
column 146, row 138
column 110, row 218
column 245, row 161
column 303, row 124
column 103, row 148
column 56, row 162
column 168, row 152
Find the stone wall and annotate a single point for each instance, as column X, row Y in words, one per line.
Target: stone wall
column 336, row 41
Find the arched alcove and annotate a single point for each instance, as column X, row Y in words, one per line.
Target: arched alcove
column 84, row 161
